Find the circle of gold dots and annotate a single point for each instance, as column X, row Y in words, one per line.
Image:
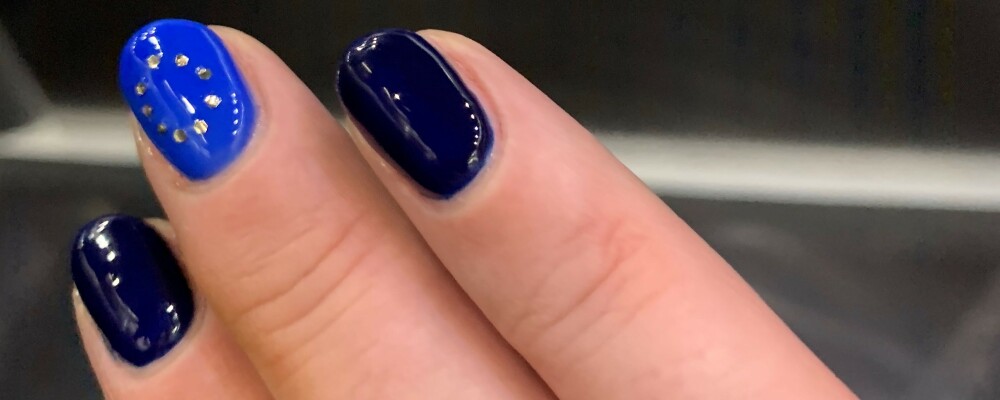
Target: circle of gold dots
column 203, row 73
column 200, row 126
column 212, row 101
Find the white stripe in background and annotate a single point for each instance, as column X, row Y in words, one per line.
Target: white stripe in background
column 812, row 174
column 731, row 169
column 93, row 137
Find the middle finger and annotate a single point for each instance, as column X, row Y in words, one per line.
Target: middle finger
column 291, row 240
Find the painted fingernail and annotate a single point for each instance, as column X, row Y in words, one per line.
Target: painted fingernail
column 405, row 96
column 187, row 95
column 132, row 286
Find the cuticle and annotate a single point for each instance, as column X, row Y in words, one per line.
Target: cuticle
column 258, row 128
column 153, row 367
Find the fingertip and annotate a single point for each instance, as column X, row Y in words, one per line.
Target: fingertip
column 132, row 286
column 190, row 357
column 163, row 227
column 188, row 95
column 245, row 47
column 449, row 38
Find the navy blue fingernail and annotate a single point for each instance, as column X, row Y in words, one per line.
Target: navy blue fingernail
column 188, row 95
column 407, row 98
column 132, row 286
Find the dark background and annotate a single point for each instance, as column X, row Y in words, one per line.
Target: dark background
column 900, row 302
column 891, row 71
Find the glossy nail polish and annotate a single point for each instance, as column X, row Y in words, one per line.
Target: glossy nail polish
column 188, row 96
column 131, row 284
column 403, row 95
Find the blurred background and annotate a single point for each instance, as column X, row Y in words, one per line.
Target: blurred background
column 841, row 155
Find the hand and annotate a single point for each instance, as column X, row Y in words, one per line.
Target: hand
column 462, row 238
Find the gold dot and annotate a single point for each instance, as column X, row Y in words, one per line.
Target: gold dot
column 161, row 128
column 181, row 60
column 203, row 73
column 153, row 61
column 213, row 101
column 140, row 88
column 180, row 136
column 200, row 126
column 147, row 110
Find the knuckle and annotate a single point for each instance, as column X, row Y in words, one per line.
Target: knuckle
column 278, row 273
column 584, row 297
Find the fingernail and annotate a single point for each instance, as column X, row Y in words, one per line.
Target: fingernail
column 405, row 97
column 188, row 96
column 132, row 286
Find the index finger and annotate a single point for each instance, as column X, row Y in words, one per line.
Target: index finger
column 603, row 289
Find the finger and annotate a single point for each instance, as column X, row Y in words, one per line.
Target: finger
column 323, row 281
column 143, row 331
column 600, row 287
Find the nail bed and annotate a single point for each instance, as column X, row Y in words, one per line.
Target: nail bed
column 188, row 95
column 406, row 97
column 132, row 286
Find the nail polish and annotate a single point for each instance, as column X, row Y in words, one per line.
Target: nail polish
column 403, row 95
column 188, row 96
column 132, row 286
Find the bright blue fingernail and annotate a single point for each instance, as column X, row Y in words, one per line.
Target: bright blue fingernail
column 188, row 95
column 132, row 286
column 406, row 97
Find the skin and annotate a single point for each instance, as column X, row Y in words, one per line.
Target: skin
column 321, row 272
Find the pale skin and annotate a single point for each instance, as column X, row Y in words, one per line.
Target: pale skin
column 322, row 272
